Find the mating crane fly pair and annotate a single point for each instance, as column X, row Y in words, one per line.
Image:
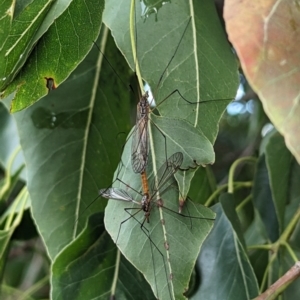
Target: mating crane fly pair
column 163, row 176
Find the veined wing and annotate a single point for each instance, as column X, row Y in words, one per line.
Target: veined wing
column 166, row 171
column 140, row 140
column 117, row 194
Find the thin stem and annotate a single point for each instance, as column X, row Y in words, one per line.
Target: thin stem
column 215, row 194
column 21, row 196
column 274, row 290
column 237, row 184
column 233, row 168
column 262, row 247
column 243, row 203
column 291, row 226
column 116, row 274
column 7, row 181
column 34, row 288
column 132, row 25
column 290, row 251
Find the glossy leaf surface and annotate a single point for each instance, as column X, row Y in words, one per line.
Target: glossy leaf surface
column 265, row 35
column 58, row 52
column 17, row 36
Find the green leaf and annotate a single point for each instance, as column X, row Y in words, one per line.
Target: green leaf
column 58, row 52
column 6, row 13
column 203, row 185
column 198, row 184
column 196, row 71
column 176, row 135
column 85, row 269
column 9, row 140
column 227, row 201
column 263, row 201
column 293, row 201
column 256, row 232
column 57, row 8
column 226, row 272
column 166, row 248
column 91, row 256
column 183, row 179
column 278, row 160
column 71, row 144
column 259, row 260
column 18, row 40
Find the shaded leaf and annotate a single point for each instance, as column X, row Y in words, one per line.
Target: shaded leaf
column 71, row 146
column 226, row 272
column 86, row 267
column 228, row 207
column 263, row 201
column 278, row 160
column 294, row 202
column 259, row 260
column 256, row 232
column 203, row 185
column 265, row 35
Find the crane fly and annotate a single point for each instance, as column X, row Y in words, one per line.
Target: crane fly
column 166, row 223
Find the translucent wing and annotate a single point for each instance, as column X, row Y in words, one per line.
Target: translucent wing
column 140, row 138
column 116, row 194
column 165, row 174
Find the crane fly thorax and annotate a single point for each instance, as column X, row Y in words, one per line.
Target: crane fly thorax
column 143, row 106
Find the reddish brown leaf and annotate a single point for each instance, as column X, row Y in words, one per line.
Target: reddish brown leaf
column 266, row 36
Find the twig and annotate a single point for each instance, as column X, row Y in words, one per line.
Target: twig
column 281, row 284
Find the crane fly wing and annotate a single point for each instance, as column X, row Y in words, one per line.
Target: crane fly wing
column 116, row 194
column 140, row 144
column 166, row 171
